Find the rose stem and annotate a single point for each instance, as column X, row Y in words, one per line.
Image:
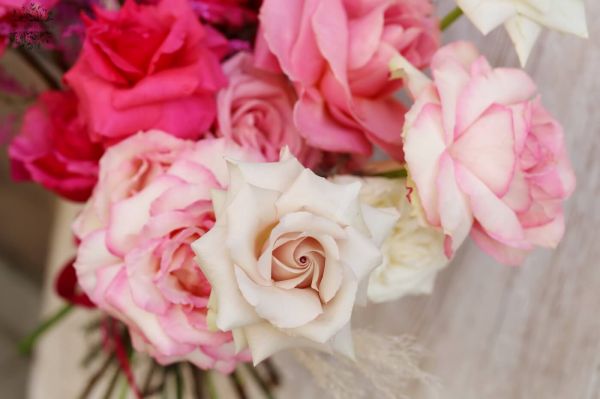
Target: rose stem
column 178, row 382
column 148, row 379
column 27, row 344
column 393, row 174
column 450, row 18
column 92, row 354
column 197, row 381
column 274, row 378
column 238, row 384
column 39, row 67
column 96, row 377
column 261, row 383
column 113, row 383
column 210, row 385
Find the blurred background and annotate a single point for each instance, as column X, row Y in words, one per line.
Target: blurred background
column 490, row 331
column 26, row 215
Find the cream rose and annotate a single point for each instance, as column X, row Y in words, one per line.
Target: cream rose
column 287, row 256
column 413, row 253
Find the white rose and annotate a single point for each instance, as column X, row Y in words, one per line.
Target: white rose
column 287, row 256
column 413, row 252
column 524, row 19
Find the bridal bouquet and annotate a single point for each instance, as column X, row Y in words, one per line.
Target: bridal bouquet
column 250, row 171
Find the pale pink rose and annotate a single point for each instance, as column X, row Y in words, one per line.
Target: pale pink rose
column 135, row 261
column 486, row 157
column 256, row 111
column 289, row 256
column 337, row 52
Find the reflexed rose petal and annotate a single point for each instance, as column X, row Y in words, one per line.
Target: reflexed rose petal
column 284, row 308
column 423, row 146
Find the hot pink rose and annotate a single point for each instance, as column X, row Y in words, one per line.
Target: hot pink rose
column 53, row 148
column 152, row 201
column 148, row 67
column 256, row 111
column 338, row 53
column 486, row 157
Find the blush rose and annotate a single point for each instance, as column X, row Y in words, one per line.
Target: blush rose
column 337, row 53
column 486, row 157
column 135, row 261
column 256, row 111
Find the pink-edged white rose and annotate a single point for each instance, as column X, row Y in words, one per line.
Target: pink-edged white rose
column 524, row 19
column 287, row 257
column 135, row 261
column 486, row 157
column 256, row 111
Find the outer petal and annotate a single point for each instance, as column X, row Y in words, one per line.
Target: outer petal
column 495, row 217
column 284, row 308
column 265, row 340
column 455, row 213
column 232, row 310
column 423, row 146
column 487, row 14
column 502, row 253
column 336, row 313
column 338, row 202
column 524, row 33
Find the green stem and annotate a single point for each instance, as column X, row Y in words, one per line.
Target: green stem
column 27, row 344
column 450, row 18
column 259, row 380
column 393, row 174
column 178, row 383
column 210, row 385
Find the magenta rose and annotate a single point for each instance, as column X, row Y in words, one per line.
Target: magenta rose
column 153, row 199
column 53, row 148
column 337, row 52
column 148, row 67
column 256, row 111
column 486, row 157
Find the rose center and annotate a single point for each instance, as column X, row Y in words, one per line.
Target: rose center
column 298, row 261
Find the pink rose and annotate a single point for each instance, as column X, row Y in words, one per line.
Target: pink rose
column 338, row 53
column 53, row 148
column 152, row 201
column 256, row 111
column 486, row 157
column 148, row 67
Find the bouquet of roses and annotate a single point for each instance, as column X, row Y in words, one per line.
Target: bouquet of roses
column 224, row 153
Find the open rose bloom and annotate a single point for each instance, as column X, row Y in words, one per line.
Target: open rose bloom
column 135, row 260
column 486, row 157
column 337, row 52
column 287, row 273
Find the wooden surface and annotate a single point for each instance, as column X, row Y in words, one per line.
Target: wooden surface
column 492, row 332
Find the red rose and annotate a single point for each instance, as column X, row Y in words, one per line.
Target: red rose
column 53, row 148
column 148, row 67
